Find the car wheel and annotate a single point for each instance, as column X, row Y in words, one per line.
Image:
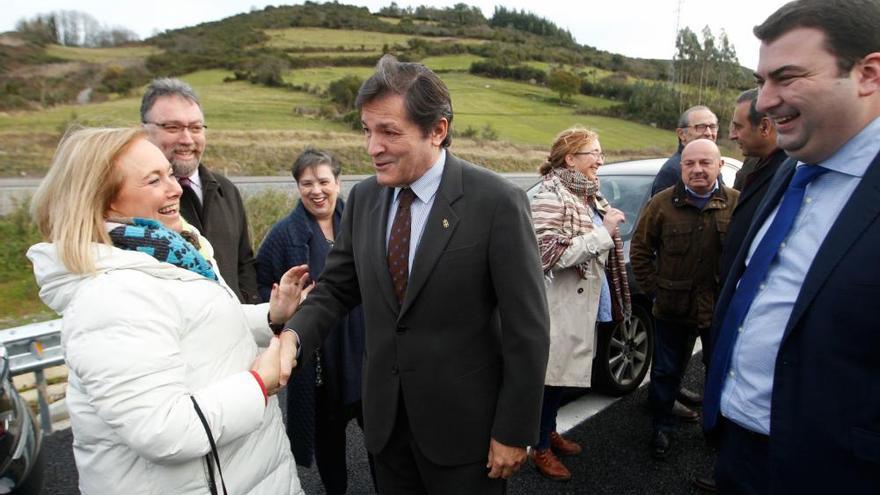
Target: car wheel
column 623, row 353
column 33, row 484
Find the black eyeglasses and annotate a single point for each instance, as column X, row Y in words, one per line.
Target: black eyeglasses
column 174, row 128
column 596, row 154
column 703, row 127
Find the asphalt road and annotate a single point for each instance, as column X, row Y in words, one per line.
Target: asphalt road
column 616, row 459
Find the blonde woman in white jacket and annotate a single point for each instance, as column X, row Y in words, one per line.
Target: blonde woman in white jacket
column 150, row 329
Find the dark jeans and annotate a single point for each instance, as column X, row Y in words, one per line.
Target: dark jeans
column 673, row 346
column 742, row 467
column 549, row 410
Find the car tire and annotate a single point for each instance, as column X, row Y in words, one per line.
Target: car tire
column 33, row 484
column 623, row 353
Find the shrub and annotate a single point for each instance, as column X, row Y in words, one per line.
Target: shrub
column 469, row 132
column 489, row 133
column 344, row 91
column 264, row 210
column 19, row 233
column 121, row 80
column 491, row 68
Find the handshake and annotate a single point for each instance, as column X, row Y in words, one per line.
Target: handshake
column 275, row 364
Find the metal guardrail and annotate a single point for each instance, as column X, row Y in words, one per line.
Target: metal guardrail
column 31, row 349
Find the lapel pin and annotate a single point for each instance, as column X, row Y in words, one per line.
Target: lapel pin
column 445, row 223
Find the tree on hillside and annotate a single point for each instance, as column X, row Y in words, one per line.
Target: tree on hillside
column 458, row 15
column 710, row 63
column 74, row 28
column 563, row 82
column 41, row 28
column 530, row 23
column 392, row 10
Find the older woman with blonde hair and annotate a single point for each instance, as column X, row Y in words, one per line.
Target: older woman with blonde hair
column 576, row 228
column 167, row 392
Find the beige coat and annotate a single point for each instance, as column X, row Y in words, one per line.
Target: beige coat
column 574, row 304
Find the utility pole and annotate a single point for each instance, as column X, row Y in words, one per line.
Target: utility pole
column 672, row 77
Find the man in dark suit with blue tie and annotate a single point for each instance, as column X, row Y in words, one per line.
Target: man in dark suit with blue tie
column 443, row 256
column 794, row 380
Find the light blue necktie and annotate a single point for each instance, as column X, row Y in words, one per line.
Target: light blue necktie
column 745, row 293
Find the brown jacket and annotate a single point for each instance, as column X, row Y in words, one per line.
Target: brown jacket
column 675, row 253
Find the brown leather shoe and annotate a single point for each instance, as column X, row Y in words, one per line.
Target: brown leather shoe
column 563, row 446
column 684, row 413
column 549, row 465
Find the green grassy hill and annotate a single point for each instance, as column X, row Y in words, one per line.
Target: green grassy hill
column 259, row 128
column 522, row 114
column 315, row 45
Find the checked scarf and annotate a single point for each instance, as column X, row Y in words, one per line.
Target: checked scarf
column 560, row 219
column 621, row 304
column 151, row 237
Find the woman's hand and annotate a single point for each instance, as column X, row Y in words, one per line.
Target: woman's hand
column 287, row 295
column 613, row 219
column 268, row 366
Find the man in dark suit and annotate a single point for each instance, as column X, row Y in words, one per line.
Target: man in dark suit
column 794, row 381
column 172, row 116
column 756, row 137
column 443, row 256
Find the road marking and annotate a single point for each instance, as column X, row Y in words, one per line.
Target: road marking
column 590, row 404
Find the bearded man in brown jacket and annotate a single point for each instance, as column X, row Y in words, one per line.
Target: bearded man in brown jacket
column 675, row 256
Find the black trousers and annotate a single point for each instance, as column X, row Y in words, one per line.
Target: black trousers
column 330, row 442
column 402, row 468
column 742, row 467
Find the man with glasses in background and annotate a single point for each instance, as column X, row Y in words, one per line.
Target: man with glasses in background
column 172, row 116
column 695, row 123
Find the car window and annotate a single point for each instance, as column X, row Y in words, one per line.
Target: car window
column 626, row 193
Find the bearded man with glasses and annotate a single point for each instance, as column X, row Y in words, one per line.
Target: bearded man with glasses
column 172, row 116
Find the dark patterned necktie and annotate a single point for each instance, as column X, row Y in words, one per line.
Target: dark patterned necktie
column 185, row 182
column 398, row 243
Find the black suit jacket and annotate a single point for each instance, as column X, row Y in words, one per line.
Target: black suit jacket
column 755, row 186
column 669, row 174
column 825, row 408
column 467, row 350
column 220, row 217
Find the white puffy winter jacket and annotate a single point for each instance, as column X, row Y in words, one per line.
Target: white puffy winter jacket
column 140, row 337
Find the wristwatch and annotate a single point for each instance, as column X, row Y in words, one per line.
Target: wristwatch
column 276, row 328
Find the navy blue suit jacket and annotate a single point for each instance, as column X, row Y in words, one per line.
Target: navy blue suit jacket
column 825, row 407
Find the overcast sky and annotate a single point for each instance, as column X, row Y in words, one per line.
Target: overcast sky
column 637, row 28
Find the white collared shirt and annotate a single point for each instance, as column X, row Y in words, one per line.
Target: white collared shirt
column 197, row 185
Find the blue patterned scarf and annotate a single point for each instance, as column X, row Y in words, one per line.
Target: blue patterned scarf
column 151, row 237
